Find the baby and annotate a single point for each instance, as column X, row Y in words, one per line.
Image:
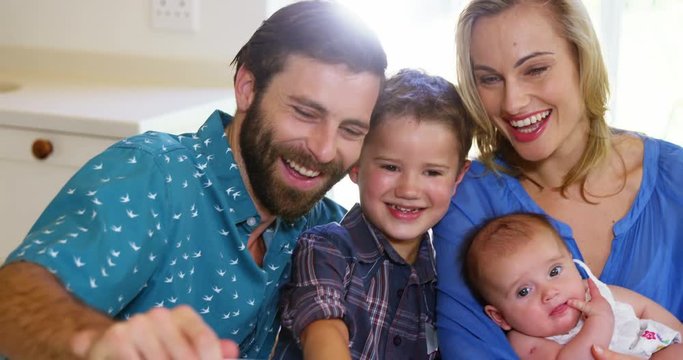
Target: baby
column 524, row 274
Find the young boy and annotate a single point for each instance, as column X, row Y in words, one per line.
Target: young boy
column 365, row 288
column 524, row 273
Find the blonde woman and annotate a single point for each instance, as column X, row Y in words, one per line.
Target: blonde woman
column 532, row 75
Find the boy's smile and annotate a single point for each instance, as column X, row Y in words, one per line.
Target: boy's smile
column 407, row 174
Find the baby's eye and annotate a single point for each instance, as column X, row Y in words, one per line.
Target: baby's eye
column 523, row 292
column 557, row 270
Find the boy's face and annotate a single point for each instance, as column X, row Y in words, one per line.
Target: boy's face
column 528, row 289
column 407, row 174
column 304, row 131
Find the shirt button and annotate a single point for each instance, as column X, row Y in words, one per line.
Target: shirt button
column 397, row 340
column 251, row 221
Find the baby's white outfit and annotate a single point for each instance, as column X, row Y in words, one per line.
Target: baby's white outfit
column 632, row 336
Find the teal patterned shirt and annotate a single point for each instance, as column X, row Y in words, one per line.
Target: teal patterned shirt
column 159, row 220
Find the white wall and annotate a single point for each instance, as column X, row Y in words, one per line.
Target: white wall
column 123, row 27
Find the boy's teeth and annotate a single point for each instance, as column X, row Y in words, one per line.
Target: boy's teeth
column 402, row 209
column 530, row 120
column 302, row 170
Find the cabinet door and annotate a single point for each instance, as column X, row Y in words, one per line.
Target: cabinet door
column 28, row 184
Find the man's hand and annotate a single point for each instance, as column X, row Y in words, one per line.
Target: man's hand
column 178, row 333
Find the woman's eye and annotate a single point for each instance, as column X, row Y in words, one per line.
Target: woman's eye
column 523, row 292
column 555, row 271
column 535, row 71
column 489, row 79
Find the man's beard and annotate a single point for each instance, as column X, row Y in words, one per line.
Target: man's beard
column 260, row 157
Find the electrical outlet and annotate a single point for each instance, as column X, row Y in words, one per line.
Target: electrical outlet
column 178, row 15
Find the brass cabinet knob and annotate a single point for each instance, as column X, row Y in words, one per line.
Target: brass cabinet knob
column 42, row 148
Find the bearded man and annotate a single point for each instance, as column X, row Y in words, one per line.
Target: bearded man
column 176, row 246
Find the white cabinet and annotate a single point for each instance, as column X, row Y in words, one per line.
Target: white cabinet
column 27, row 184
column 77, row 121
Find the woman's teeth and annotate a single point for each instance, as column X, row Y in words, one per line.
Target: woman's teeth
column 530, row 120
column 302, row 170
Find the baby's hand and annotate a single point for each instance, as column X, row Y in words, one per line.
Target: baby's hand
column 597, row 306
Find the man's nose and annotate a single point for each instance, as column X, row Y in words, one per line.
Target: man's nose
column 322, row 143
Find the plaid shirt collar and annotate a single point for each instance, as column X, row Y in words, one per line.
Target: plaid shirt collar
column 360, row 230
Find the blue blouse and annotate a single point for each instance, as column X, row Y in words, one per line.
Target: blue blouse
column 646, row 254
column 159, row 220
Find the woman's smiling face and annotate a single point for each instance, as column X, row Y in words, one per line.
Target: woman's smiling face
column 528, row 80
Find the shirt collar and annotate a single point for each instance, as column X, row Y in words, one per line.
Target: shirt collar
column 361, row 231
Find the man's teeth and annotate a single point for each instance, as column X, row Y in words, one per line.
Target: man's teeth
column 302, row 170
column 405, row 210
column 530, row 120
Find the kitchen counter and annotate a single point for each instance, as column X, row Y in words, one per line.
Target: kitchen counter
column 108, row 95
column 110, row 110
column 75, row 114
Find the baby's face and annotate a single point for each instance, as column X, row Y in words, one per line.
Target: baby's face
column 529, row 289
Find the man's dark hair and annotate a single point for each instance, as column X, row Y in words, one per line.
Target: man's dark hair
column 321, row 30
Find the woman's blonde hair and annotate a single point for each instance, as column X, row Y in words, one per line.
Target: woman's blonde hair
column 574, row 25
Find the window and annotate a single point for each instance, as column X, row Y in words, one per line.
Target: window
column 640, row 40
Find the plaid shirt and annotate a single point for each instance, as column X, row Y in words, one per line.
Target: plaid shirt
column 350, row 271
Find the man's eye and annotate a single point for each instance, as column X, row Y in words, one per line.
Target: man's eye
column 303, row 113
column 353, row 132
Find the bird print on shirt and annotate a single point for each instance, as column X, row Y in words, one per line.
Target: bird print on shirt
column 142, row 247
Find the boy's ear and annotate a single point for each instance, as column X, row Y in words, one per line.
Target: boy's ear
column 244, row 88
column 353, row 173
column 461, row 175
column 497, row 317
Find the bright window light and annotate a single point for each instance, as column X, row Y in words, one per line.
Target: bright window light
column 639, row 40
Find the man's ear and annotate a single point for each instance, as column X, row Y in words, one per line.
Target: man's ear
column 244, row 88
column 497, row 317
column 353, row 173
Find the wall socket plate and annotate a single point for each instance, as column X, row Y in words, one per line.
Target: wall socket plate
column 175, row 15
